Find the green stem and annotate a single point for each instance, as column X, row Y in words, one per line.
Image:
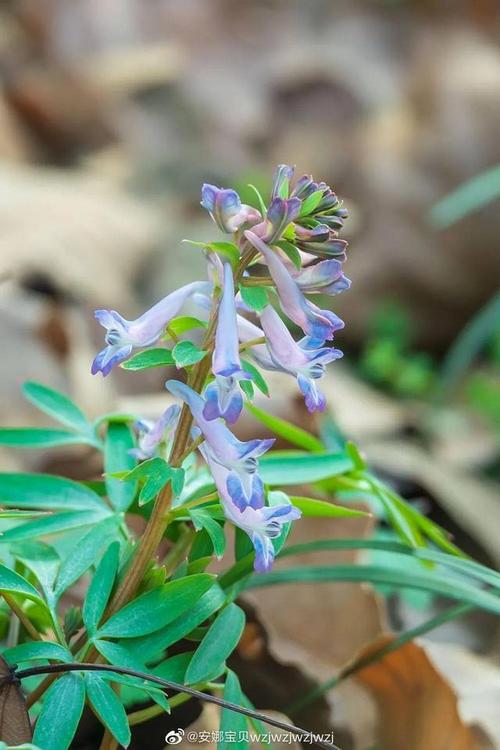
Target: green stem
column 22, row 617
column 252, row 342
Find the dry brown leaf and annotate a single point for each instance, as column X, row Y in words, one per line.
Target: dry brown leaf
column 417, row 707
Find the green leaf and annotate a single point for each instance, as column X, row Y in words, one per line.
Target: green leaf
column 425, row 581
column 319, row 508
column 13, row 583
column 256, row 376
column 84, row 554
column 467, row 198
column 156, row 473
column 294, row 467
column 255, row 297
column 219, row 642
column 203, row 520
column 39, row 437
column 149, row 358
column 108, row 707
column 260, row 199
column 55, row 524
column 398, row 515
column 119, row 442
column 228, row 249
column 46, row 492
column 247, row 388
column 166, row 602
column 292, row 253
column 185, row 353
column 65, row 698
column 37, row 650
column 100, row 588
column 42, row 560
column 184, row 323
column 205, row 607
column 286, row 430
column 174, row 668
column 24, row 515
column 119, row 655
column 311, row 203
column 460, row 564
column 58, row 406
column 230, row 721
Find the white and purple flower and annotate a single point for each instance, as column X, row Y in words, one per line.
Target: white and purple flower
column 223, row 395
column 152, row 433
column 307, row 364
column 122, row 336
column 245, row 507
column 319, row 324
column 226, row 209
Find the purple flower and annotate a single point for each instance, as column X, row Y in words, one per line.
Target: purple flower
column 226, row 209
column 281, row 181
column 124, row 335
column 316, row 323
column 244, row 506
column 152, row 433
column 280, row 214
column 305, row 363
column 325, row 277
column 235, row 455
column 223, row 396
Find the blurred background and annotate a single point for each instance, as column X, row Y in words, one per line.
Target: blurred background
column 112, row 114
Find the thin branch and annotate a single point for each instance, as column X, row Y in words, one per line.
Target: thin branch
column 252, row 342
column 168, row 685
column 22, row 617
column 257, row 281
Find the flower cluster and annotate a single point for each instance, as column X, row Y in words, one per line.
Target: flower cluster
column 295, row 241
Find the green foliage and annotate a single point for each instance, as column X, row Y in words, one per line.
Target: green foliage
column 256, row 297
column 58, row 406
column 229, row 722
column 466, row 199
column 219, row 642
column 65, row 698
column 148, row 359
column 295, row 467
column 117, row 458
column 166, row 602
column 100, row 588
column 108, row 707
column 286, row 430
column 85, row 532
column 186, row 353
column 318, row 508
column 153, row 475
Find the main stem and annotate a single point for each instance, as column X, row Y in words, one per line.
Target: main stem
column 158, row 521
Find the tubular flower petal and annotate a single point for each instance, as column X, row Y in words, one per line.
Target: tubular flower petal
column 152, row 433
column 240, row 457
column 325, row 277
column 281, row 181
column 246, row 509
column 305, row 363
column 122, row 336
column 319, row 324
column 223, row 396
column 226, row 209
column 280, row 214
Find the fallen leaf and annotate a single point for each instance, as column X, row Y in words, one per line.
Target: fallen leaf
column 417, row 707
